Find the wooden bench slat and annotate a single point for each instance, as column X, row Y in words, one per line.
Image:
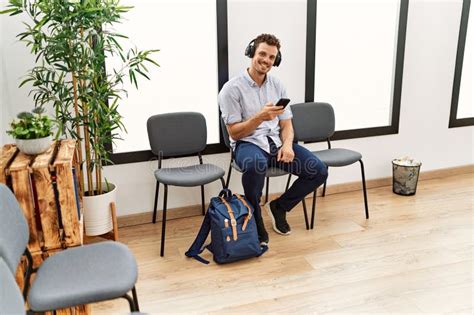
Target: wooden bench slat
column 66, row 152
column 20, row 173
column 67, row 196
column 6, row 157
column 44, row 160
column 21, row 162
column 67, row 200
column 48, row 211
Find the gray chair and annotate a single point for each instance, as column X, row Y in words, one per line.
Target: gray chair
column 11, row 300
column 315, row 122
column 72, row 277
column 175, row 135
column 271, row 172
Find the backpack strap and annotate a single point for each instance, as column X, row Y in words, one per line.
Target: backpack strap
column 249, row 216
column 198, row 245
column 233, row 222
column 226, row 193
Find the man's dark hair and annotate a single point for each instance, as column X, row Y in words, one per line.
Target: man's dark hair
column 269, row 39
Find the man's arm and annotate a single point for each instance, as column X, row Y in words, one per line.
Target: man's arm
column 286, row 132
column 243, row 129
column 286, row 154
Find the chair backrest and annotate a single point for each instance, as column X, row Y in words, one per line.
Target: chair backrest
column 14, row 233
column 225, row 133
column 175, row 134
column 11, row 300
column 313, row 121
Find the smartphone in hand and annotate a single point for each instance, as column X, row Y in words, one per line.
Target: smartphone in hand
column 283, row 102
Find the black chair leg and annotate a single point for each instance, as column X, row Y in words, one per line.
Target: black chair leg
column 365, row 189
column 325, row 182
column 131, row 302
column 305, row 212
column 224, row 185
column 288, row 183
column 135, row 299
column 202, row 200
column 157, row 190
column 29, row 271
column 313, row 210
column 266, row 189
column 163, row 223
column 228, row 175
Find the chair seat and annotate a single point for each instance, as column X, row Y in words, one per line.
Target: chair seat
column 189, row 176
column 275, row 172
column 338, row 157
column 271, row 171
column 83, row 275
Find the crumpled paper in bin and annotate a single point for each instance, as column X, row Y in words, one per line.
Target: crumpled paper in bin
column 405, row 175
column 406, row 161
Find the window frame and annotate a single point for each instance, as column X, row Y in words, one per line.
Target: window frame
column 223, row 77
column 453, row 120
column 398, row 78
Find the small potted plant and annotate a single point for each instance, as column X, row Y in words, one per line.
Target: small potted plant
column 32, row 131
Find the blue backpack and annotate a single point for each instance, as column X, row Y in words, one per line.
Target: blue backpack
column 234, row 235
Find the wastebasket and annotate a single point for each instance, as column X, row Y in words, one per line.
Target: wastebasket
column 405, row 175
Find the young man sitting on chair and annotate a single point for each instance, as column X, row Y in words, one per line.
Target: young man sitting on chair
column 261, row 135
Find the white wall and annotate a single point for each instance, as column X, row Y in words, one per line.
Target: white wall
column 15, row 60
column 466, row 97
column 287, row 20
column 165, row 88
column 431, row 45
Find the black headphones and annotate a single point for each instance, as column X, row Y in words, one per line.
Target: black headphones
column 250, row 52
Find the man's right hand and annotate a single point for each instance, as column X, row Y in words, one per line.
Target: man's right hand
column 270, row 111
column 242, row 129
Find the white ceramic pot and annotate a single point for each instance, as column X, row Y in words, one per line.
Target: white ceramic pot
column 34, row 146
column 97, row 213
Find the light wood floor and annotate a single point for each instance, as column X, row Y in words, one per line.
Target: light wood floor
column 414, row 255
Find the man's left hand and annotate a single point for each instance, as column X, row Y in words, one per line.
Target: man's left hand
column 286, row 154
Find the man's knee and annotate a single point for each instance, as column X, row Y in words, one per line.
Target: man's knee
column 315, row 170
column 324, row 171
column 254, row 165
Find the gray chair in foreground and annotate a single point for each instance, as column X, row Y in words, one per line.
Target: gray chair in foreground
column 271, row 172
column 11, row 300
column 175, row 135
column 315, row 122
column 72, row 277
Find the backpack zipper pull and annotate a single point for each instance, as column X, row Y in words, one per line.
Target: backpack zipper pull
column 226, row 225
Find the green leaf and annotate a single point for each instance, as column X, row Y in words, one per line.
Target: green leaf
column 16, row 13
column 9, row 11
column 142, row 73
column 25, row 81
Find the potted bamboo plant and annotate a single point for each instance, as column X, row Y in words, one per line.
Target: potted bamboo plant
column 71, row 40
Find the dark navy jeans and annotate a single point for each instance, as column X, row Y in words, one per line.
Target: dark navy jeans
column 254, row 162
